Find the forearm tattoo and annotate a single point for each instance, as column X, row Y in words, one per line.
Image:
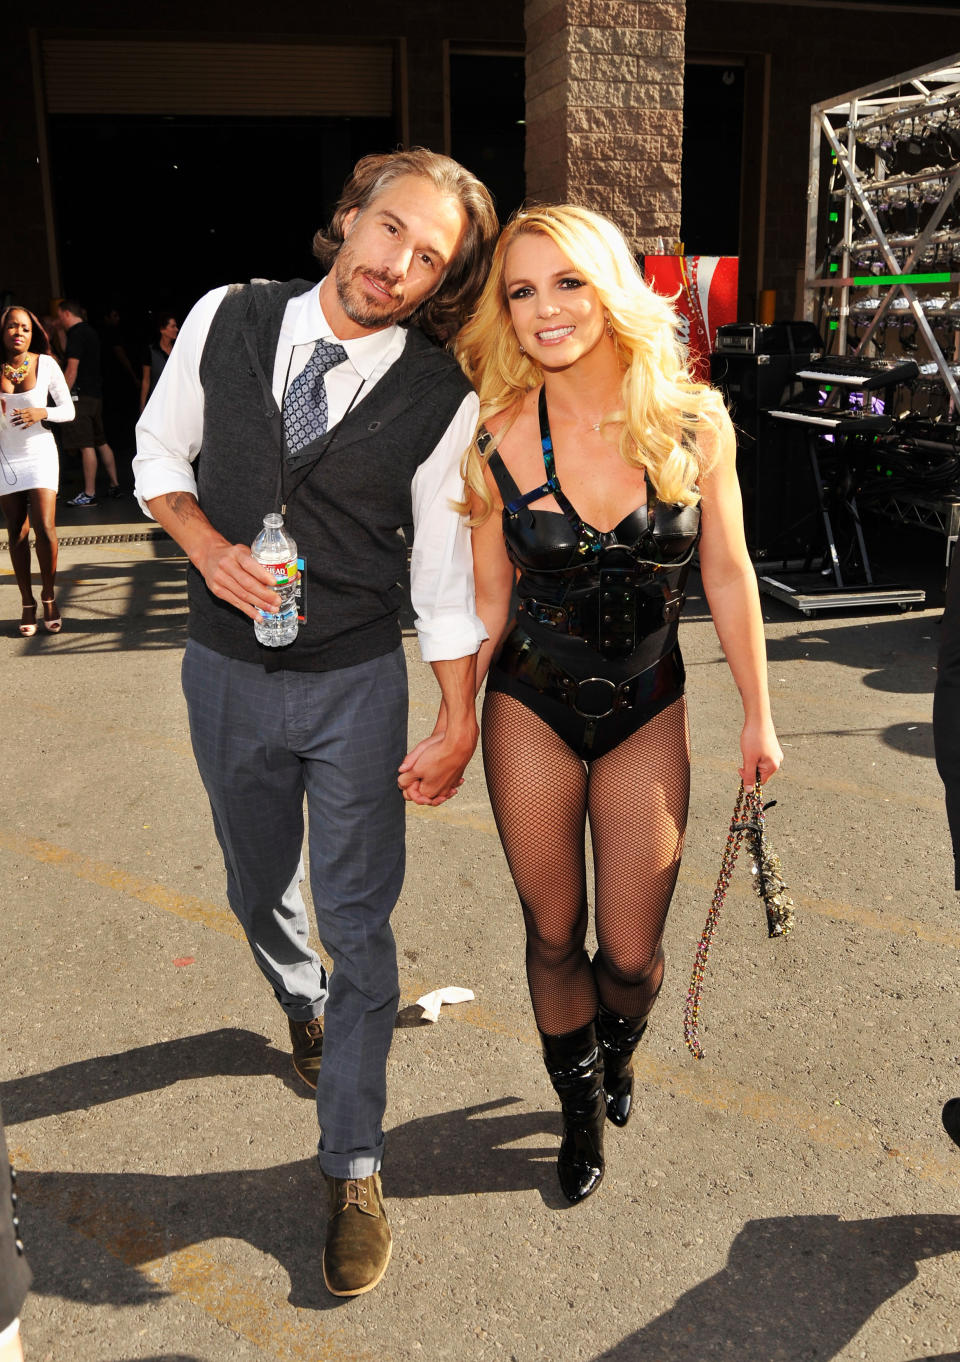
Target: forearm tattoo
column 183, row 505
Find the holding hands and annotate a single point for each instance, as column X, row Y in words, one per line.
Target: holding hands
column 432, row 772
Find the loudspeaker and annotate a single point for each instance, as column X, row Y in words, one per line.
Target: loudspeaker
column 780, row 502
column 752, row 384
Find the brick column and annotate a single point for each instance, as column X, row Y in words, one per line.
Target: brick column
column 605, row 110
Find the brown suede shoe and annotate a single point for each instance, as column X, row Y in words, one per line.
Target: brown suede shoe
column 307, row 1038
column 359, row 1242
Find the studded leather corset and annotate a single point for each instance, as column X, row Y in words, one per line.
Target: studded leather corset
column 619, row 591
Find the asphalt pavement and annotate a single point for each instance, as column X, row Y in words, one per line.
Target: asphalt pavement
column 791, row 1196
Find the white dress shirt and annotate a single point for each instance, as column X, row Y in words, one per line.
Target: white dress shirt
column 170, row 431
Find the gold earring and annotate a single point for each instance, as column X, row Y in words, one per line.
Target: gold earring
column 609, row 324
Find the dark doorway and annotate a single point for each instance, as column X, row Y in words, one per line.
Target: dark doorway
column 487, row 123
column 154, row 211
column 713, row 101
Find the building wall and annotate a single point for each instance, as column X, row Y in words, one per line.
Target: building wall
column 605, row 110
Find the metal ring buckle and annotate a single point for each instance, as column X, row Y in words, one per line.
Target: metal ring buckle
column 594, row 681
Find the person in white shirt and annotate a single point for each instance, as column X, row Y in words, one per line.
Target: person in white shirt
column 316, row 402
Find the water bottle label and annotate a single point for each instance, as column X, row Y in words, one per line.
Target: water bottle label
column 285, row 573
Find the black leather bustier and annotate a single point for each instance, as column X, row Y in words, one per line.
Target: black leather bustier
column 615, row 590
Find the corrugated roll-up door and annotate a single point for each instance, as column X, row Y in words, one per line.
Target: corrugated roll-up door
column 94, row 76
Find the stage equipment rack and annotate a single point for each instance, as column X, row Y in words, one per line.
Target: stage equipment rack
column 874, row 136
column 886, row 225
column 839, row 580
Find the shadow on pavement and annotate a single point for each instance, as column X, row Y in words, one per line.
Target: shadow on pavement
column 913, row 740
column 130, row 605
column 141, row 1217
column 482, row 1134
column 896, row 655
column 148, row 1068
column 794, row 1287
column 487, row 1159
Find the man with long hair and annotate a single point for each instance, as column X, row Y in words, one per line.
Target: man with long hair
column 336, row 406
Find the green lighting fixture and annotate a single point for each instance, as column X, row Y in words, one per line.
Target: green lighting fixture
column 867, row 279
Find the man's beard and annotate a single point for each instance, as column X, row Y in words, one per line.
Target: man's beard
column 356, row 301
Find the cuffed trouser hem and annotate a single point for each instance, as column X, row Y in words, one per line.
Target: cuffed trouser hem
column 361, row 1163
column 305, row 1013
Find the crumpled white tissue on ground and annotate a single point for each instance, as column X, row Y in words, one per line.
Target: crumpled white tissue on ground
column 432, row 1002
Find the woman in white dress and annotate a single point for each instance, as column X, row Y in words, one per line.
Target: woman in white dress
column 32, row 390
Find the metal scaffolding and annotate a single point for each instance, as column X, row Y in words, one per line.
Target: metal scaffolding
column 890, row 220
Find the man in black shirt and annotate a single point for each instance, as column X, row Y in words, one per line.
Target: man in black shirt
column 83, row 375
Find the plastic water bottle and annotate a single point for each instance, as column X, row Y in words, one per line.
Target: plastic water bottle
column 274, row 548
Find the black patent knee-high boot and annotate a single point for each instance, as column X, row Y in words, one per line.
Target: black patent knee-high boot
column 618, row 1037
column 575, row 1068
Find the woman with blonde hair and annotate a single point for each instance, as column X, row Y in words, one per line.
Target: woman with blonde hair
column 608, row 466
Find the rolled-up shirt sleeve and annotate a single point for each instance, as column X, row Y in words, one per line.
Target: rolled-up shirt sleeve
column 441, row 565
column 170, row 430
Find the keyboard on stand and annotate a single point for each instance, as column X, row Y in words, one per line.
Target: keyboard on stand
column 842, row 420
column 859, row 371
column 839, row 550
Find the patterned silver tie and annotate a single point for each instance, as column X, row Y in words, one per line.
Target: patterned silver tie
column 305, row 403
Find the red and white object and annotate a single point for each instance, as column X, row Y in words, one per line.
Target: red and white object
column 704, row 290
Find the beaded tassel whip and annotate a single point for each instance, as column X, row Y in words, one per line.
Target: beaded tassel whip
column 747, row 823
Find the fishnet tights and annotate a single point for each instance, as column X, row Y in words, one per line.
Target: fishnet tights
column 636, row 798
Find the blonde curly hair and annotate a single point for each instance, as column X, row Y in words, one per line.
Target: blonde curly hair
column 663, row 407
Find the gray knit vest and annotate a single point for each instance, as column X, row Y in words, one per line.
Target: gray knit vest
column 346, row 515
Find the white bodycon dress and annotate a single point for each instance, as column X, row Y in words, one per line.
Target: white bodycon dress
column 28, row 455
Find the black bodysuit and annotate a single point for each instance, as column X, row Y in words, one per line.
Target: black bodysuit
column 593, row 651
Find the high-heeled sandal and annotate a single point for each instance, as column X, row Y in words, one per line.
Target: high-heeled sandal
column 28, row 629
column 52, row 626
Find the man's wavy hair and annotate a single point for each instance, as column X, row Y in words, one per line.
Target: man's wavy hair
column 442, row 314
